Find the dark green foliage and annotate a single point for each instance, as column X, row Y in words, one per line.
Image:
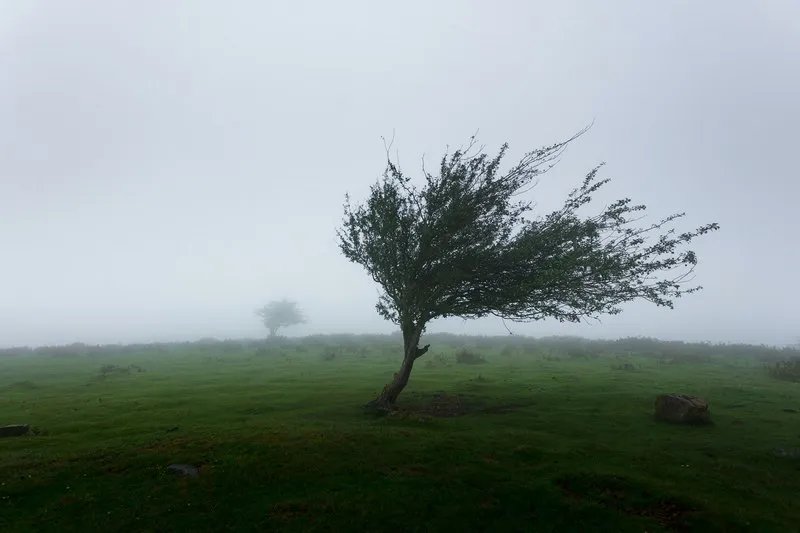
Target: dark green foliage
column 785, row 370
column 107, row 370
column 682, row 359
column 466, row 357
column 464, row 245
column 626, row 366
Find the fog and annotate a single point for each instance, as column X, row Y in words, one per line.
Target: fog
column 168, row 167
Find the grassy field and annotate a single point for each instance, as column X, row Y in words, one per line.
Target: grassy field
column 545, row 440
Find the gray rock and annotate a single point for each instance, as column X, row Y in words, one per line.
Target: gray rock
column 186, row 470
column 781, row 452
column 14, row 430
column 682, row 409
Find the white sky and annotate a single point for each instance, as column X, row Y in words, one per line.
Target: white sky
column 166, row 167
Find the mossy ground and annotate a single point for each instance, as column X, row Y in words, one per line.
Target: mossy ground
column 539, row 444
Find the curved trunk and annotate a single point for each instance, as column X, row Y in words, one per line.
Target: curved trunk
column 387, row 400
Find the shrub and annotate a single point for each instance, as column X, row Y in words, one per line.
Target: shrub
column 106, row 370
column 785, row 370
column 685, row 358
column 466, row 357
column 262, row 352
column 508, row 351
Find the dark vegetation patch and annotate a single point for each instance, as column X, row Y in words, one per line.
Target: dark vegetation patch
column 439, row 405
column 116, row 370
column 467, row 357
column 785, row 370
column 444, row 405
column 274, row 352
column 23, row 385
column 630, row 498
column 684, row 359
column 626, row 367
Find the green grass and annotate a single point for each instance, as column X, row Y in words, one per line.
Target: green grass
column 286, row 446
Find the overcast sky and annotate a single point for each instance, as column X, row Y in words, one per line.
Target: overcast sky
column 166, row 167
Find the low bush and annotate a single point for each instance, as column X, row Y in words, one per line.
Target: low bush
column 466, row 357
column 785, row 370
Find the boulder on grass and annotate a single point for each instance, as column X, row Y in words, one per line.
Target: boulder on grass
column 682, row 409
column 186, row 470
column 15, row 430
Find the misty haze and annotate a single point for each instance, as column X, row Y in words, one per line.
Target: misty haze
column 437, row 266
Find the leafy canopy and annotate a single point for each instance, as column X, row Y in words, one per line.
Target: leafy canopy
column 280, row 313
column 464, row 245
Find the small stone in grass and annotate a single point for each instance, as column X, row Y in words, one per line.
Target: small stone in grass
column 14, row 430
column 186, row 470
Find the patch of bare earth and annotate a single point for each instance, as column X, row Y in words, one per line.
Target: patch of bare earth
column 628, row 497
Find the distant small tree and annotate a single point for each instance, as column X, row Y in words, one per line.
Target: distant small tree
column 462, row 246
column 280, row 313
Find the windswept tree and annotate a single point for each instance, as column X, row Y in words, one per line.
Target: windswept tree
column 280, row 313
column 463, row 245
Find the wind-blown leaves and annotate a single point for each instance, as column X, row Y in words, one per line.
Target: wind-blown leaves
column 464, row 246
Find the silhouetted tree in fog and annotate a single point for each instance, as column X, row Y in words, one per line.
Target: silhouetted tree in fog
column 462, row 246
column 280, row 313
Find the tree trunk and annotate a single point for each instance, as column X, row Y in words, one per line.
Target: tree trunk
column 387, row 400
column 273, row 330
